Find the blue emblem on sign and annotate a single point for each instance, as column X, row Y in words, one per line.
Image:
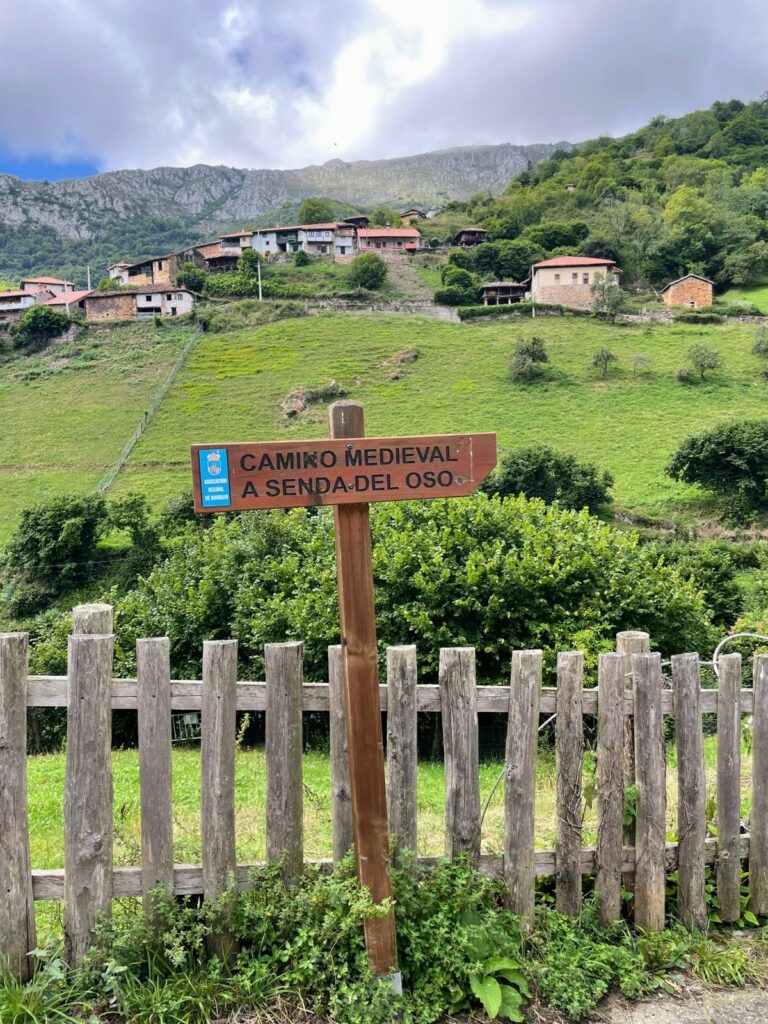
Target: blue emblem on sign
column 214, row 477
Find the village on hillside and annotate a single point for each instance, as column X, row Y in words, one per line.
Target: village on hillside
column 152, row 287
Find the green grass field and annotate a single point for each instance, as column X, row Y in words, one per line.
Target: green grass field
column 65, row 414
column 233, row 384
column 46, row 789
column 756, row 293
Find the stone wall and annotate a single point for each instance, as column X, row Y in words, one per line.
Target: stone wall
column 577, row 296
column 689, row 292
column 110, row 307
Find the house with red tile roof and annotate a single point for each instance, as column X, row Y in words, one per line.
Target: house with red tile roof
column 68, row 302
column 51, row 284
column 568, row 280
column 388, row 240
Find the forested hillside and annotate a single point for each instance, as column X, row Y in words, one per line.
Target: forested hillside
column 681, row 194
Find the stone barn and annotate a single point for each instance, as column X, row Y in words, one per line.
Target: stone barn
column 691, row 290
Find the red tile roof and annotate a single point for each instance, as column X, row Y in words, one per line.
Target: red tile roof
column 45, row 280
column 12, row 294
column 65, row 298
column 388, row 233
column 575, row 261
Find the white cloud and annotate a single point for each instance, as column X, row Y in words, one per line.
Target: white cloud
column 289, row 82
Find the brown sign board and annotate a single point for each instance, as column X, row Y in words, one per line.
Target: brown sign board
column 285, row 474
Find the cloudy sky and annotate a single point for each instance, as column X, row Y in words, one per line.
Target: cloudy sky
column 92, row 85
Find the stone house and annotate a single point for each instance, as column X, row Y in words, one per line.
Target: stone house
column 388, row 240
column 690, row 290
column 14, row 304
column 469, row 236
column 68, row 302
column 138, row 303
column 411, row 214
column 568, row 280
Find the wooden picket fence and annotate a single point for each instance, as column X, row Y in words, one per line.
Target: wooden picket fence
column 630, row 691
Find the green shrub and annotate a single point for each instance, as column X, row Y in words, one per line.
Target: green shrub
column 731, row 460
column 697, row 316
column 528, row 357
column 450, row 296
column 301, row 258
column 760, row 347
column 192, row 277
column 541, row 472
column 39, row 326
column 367, row 271
column 477, row 571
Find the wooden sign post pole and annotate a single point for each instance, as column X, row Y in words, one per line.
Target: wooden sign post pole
column 362, row 709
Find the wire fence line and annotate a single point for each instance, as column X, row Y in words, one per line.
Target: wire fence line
column 109, row 477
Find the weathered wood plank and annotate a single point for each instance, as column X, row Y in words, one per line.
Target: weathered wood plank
column 17, row 915
column 758, row 819
column 692, row 792
column 402, row 771
column 283, row 756
column 629, row 642
column 87, row 791
column 188, row 878
column 153, row 668
column 217, row 755
column 729, row 788
column 520, row 782
column 610, row 792
column 186, row 695
column 650, row 769
column 92, row 618
column 569, row 755
column 460, row 752
column 341, row 795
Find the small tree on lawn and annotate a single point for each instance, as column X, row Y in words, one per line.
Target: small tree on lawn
column 760, row 348
column 37, row 327
column 528, row 356
column 368, row 271
column 301, row 258
column 704, row 358
column 602, row 359
column 607, row 298
column 247, row 262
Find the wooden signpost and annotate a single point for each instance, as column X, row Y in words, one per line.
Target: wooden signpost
column 349, row 471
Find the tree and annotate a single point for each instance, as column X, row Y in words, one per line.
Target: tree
column 554, row 235
column 248, row 261
column 37, row 327
column 192, row 277
column 602, row 359
column 384, row 217
column 731, row 460
column 704, row 358
column 368, row 271
column 760, row 348
column 607, row 297
column 527, row 358
column 314, row 210
column 541, row 472
column 301, row 258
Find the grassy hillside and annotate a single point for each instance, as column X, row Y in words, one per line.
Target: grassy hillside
column 756, row 293
column 233, row 384
column 65, row 414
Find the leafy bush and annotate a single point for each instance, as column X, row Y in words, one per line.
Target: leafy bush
column 38, row 326
column 301, row 258
column 760, row 347
column 528, row 356
column 704, row 358
column 367, row 271
column 541, row 472
column 452, row 296
column 602, row 359
column 475, row 572
column 248, row 263
column 192, row 277
column 697, row 316
column 518, row 309
column 731, row 460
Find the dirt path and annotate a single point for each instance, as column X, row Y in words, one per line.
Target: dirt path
column 716, row 1006
column 405, row 278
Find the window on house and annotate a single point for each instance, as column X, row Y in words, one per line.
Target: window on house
column 159, row 264
column 180, row 296
column 575, row 278
column 557, row 279
column 173, row 311
column 585, row 279
column 169, row 297
column 147, row 298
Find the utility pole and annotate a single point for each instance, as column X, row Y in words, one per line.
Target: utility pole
column 258, row 270
column 88, row 272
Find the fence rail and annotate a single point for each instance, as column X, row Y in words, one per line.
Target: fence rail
column 630, row 689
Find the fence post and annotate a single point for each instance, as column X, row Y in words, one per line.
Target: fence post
column 629, row 642
column 402, row 772
column 458, row 702
column 283, row 665
column 610, row 788
column 692, row 791
column 569, row 755
column 92, row 619
column 88, row 789
column 341, row 803
column 520, row 782
column 729, row 787
column 17, row 915
column 758, row 819
column 217, row 755
column 153, row 691
column 650, row 767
